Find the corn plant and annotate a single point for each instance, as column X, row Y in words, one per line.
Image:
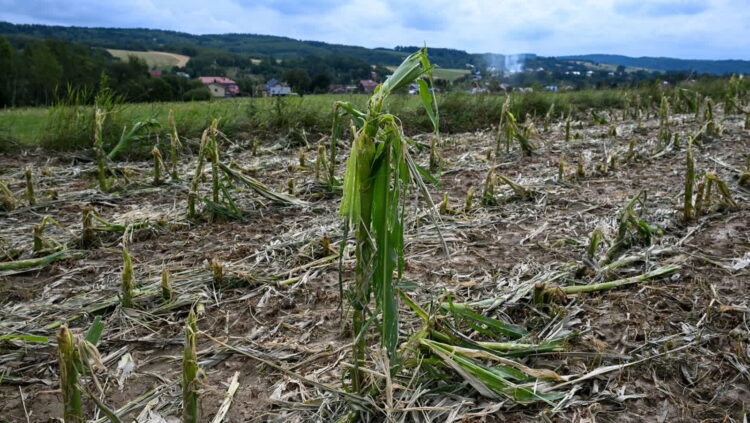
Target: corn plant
column 705, row 194
column 128, row 285
column 76, row 356
column 291, row 186
column 567, row 127
column 664, row 131
column 712, row 128
column 488, row 190
column 513, row 132
column 599, row 119
column 631, row 228
column 38, row 232
column 469, row 201
column 190, row 372
column 337, row 131
column 687, row 206
column 7, row 199
column 502, row 128
column 88, row 236
column 158, row 164
column 745, row 175
column 193, row 191
column 519, row 190
column 378, row 172
column 435, row 159
column 221, row 201
column 174, row 144
column 594, row 240
column 101, row 157
column 321, row 163
column 68, row 359
column 30, row 196
column 548, row 116
column 138, row 131
column 166, row 287
column 485, row 365
column 580, row 167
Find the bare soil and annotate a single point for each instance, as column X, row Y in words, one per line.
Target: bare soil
column 704, row 307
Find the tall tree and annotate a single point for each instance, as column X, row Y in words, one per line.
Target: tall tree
column 8, row 73
column 43, row 70
column 298, row 80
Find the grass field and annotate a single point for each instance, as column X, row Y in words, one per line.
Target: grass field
column 445, row 73
column 449, row 74
column 270, row 118
column 159, row 59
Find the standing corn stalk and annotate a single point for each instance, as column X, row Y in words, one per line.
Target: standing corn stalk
column 503, row 128
column 174, row 144
column 101, row 157
column 7, row 199
column 30, row 186
column 193, row 192
column 664, row 132
column 190, row 371
column 158, row 164
column 378, row 169
column 166, row 288
column 68, row 359
column 689, row 182
column 128, row 286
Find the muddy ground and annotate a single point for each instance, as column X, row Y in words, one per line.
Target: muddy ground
column 683, row 337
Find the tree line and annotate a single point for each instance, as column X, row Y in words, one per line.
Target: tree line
column 37, row 72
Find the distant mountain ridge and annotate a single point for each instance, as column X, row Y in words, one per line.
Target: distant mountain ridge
column 286, row 48
column 668, row 63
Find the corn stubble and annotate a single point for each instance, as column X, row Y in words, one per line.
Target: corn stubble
column 190, row 373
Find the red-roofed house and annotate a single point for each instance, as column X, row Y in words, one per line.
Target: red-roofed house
column 367, row 85
column 230, row 87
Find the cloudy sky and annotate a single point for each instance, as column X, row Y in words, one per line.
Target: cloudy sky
column 695, row 29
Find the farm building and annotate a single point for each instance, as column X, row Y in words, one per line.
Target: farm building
column 367, row 85
column 341, row 89
column 275, row 87
column 218, row 90
column 229, row 87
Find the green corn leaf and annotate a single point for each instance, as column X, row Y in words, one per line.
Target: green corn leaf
column 94, row 333
column 491, row 326
column 357, row 116
column 409, row 70
column 28, row 338
column 486, row 380
column 414, row 306
column 428, row 101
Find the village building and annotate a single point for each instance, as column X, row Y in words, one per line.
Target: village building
column 221, row 86
column 342, row 89
column 218, row 90
column 367, row 86
column 274, row 87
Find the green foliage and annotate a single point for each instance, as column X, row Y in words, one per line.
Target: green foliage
column 378, row 172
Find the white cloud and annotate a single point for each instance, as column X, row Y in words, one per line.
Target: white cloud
column 677, row 28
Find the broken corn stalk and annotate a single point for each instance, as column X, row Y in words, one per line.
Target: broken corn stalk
column 190, row 371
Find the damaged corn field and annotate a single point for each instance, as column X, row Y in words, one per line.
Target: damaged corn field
column 573, row 266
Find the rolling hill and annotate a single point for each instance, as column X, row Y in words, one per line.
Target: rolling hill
column 159, row 59
column 257, row 46
column 668, row 63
